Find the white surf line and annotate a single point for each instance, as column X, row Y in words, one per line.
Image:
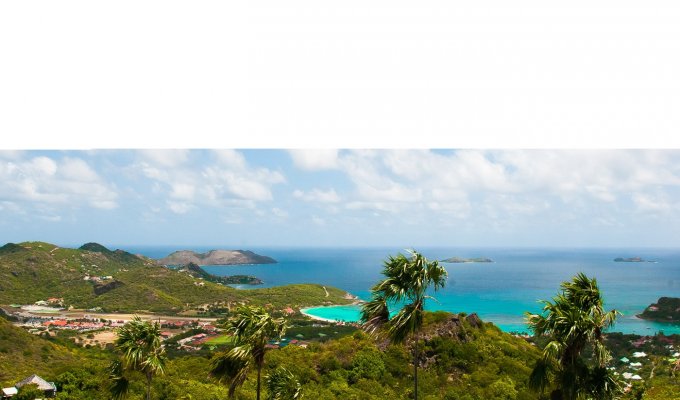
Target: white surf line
column 303, row 311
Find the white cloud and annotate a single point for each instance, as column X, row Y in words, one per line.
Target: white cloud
column 279, row 212
column 165, row 158
column 318, row 221
column 42, row 166
column 231, row 158
column 313, row 160
column 318, row 195
column 67, row 182
column 218, row 178
column 183, row 191
column 78, row 170
column 244, row 184
column 504, row 184
column 651, row 203
column 12, row 155
column 179, row 207
column 50, row 218
column 10, row 207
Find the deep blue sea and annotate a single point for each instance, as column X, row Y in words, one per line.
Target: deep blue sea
column 499, row 292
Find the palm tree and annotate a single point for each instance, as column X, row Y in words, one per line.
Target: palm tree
column 140, row 343
column 406, row 282
column 574, row 325
column 252, row 328
column 283, row 385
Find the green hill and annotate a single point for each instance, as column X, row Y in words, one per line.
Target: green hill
column 23, row 354
column 666, row 309
column 94, row 276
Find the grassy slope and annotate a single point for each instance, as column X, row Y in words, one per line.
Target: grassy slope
column 23, row 354
column 35, row 271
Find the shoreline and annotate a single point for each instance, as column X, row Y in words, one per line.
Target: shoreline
column 304, row 312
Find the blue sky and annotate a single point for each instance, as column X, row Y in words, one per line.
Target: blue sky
column 241, row 198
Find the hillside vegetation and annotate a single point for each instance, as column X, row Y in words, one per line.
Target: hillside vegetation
column 33, row 271
column 22, row 354
column 462, row 359
column 666, row 309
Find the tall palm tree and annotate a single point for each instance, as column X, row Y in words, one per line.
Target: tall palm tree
column 252, row 327
column 283, row 385
column 140, row 343
column 406, row 282
column 574, row 323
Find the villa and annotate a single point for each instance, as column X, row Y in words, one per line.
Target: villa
column 49, row 388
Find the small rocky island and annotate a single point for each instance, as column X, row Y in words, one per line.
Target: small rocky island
column 666, row 309
column 198, row 272
column 468, row 260
column 215, row 257
column 629, row 259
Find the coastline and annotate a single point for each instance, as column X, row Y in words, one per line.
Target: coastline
column 304, row 312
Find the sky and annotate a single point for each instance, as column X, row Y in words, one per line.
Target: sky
column 526, row 123
column 347, row 197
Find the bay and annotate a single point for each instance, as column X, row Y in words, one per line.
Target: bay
column 500, row 292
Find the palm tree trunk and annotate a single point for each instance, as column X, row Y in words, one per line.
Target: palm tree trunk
column 259, row 369
column 148, row 385
column 415, row 369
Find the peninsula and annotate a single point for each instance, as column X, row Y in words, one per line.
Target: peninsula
column 468, row 260
column 195, row 271
column 215, row 257
column 666, row 309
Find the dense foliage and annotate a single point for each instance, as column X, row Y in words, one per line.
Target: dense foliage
column 574, row 363
column 23, row 354
column 406, row 281
column 139, row 343
column 462, row 360
column 252, row 328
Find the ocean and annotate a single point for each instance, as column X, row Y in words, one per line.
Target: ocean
column 499, row 292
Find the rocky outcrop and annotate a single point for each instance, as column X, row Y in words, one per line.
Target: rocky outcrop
column 474, row 320
column 216, row 257
column 453, row 327
column 100, row 289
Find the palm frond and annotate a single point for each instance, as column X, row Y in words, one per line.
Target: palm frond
column 540, row 376
column 237, row 381
column 407, row 321
column 374, row 315
column 252, row 328
column 603, row 384
column 226, row 365
column 283, row 385
column 119, row 383
column 573, row 321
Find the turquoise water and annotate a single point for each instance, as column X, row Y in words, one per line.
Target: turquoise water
column 499, row 292
column 349, row 313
